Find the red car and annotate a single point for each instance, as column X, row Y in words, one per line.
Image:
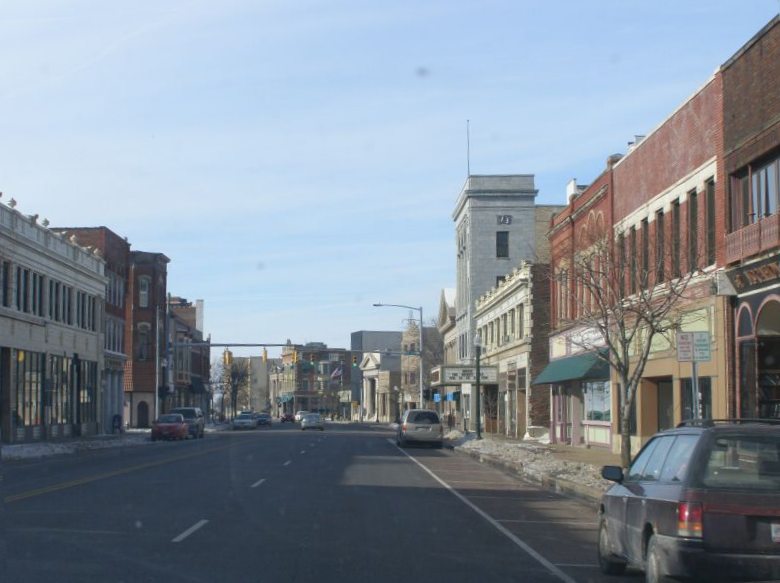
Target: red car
column 170, row 426
column 287, row 417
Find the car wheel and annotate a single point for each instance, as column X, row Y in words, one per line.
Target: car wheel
column 654, row 568
column 607, row 563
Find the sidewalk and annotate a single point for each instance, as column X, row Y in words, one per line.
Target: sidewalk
column 575, row 471
column 41, row 449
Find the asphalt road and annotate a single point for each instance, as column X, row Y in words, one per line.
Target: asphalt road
column 284, row 505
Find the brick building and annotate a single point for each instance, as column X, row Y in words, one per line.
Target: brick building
column 751, row 136
column 189, row 359
column 146, row 376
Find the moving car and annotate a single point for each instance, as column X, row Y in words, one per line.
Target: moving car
column 699, row 501
column 170, row 426
column 285, row 417
column 194, row 418
column 299, row 415
column 245, row 420
column 312, row 421
column 420, row 426
column 263, row 419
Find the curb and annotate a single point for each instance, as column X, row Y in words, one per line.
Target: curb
column 558, row 485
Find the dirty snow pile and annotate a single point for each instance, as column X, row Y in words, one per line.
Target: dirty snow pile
column 537, row 461
column 24, row 451
column 453, row 435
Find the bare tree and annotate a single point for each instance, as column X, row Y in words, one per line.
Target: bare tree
column 622, row 299
column 236, row 376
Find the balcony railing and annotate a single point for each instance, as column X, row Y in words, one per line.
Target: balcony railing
column 753, row 239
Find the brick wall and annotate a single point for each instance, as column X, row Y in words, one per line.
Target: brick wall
column 539, row 396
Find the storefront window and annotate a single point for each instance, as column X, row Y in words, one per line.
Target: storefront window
column 598, row 404
column 686, row 390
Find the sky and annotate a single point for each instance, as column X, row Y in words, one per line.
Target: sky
column 300, row 161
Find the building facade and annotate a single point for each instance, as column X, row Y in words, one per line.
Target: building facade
column 362, row 342
column 751, row 135
column 380, row 393
column 259, row 389
column 52, row 294
column 513, row 323
column 188, row 355
column 146, row 371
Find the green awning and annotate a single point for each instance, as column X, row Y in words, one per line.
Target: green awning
column 581, row 366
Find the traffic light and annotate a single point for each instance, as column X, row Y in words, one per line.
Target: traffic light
column 354, row 361
column 265, row 355
column 295, row 357
column 227, row 358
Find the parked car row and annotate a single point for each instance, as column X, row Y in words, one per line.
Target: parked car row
column 180, row 423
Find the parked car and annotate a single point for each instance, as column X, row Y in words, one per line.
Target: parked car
column 170, row 426
column 194, row 418
column 699, row 501
column 420, row 426
column 263, row 419
column 312, row 421
column 245, row 420
column 287, row 417
column 299, row 415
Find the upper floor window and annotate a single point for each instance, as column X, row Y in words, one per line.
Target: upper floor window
column 502, row 244
column 144, row 285
column 710, row 190
column 755, row 193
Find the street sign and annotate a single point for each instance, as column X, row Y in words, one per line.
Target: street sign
column 693, row 347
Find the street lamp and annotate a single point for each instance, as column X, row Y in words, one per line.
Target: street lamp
column 380, row 305
column 478, row 353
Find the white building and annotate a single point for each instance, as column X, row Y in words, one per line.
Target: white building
column 52, row 295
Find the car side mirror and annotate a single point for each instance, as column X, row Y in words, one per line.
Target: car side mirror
column 612, row 473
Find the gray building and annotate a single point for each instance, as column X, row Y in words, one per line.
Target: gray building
column 498, row 226
column 259, row 391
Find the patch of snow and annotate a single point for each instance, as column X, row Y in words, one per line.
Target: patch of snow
column 24, row 451
column 536, row 460
column 454, row 435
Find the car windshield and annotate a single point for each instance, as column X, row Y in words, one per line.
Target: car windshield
column 744, row 462
column 170, row 419
column 443, row 246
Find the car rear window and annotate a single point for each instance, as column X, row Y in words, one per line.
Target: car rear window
column 744, row 462
column 423, row 417
column 170, row 419
column 188, row 414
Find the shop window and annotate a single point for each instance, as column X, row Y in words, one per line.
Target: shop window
column 597, row 401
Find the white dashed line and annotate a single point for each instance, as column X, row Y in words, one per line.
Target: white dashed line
column 256, row 484
column 190, row 530
column 287, row 463
column 500, row 527
column 303, row 451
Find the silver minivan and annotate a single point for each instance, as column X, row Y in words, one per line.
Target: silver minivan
column 420, row 426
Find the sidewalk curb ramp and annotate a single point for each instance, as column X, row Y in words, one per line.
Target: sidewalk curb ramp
column 558, row 485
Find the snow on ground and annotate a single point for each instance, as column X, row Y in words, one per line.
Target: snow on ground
column 24, row 451
column 536, row 460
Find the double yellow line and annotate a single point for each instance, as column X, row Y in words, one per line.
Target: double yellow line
column 104, row 475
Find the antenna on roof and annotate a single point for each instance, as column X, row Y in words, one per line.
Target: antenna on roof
column 468, row 147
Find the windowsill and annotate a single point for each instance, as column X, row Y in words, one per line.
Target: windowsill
column 597, row 423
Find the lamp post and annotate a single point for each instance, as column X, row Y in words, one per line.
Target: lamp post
column 380, row 305
column 478, row 353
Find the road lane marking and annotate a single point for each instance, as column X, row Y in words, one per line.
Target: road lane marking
column 553, row 521
column 287, row 463
column 256, row 484
column 190, row 530
column 303, row 451
column 96, row 477
column 501, row 528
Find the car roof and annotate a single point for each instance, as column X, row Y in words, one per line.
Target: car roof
column 719, row 426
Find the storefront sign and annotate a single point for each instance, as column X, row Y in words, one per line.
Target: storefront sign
column 457, row 375
column 756, row 275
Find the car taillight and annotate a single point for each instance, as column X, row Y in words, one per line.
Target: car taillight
column 689, row 519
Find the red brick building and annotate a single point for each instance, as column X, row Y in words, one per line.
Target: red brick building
column 145, row 369
column 751, row 135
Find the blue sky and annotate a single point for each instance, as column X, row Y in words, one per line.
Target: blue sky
column 299, row 161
